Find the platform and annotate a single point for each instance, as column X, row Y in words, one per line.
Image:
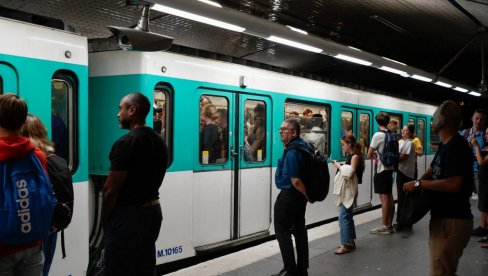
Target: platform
column 397, row 254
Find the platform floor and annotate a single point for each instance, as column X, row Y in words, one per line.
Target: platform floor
column 397, row 254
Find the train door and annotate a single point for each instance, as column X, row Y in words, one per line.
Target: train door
column 233, row 170
column 8, row 79
column 358, row 122
column 419, row 124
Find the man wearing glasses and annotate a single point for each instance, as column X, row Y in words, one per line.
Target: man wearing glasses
column 289, row 208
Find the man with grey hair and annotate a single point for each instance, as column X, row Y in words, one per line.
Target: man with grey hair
column 448, row 183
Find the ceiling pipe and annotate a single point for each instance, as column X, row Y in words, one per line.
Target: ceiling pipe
column 261, row 28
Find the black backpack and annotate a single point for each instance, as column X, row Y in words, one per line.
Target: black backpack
column 62, row 181
column 317, row 187
column 390, row 156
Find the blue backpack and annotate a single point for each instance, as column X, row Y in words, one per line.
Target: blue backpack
column 26, row 200
column 390, row 156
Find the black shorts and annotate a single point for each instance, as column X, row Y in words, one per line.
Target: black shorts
column 383, row 182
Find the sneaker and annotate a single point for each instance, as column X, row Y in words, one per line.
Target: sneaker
column 283, row 272
column 474, row 197
column 382, row 230
column 480, row 232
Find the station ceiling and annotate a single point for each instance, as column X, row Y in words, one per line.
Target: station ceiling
column 442, row 37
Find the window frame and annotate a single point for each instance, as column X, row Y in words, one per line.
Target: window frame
column 168, row 91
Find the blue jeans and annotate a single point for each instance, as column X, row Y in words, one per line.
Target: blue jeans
column 346, row 224
column 28, row 262
column 48, row 248
column 130, row 237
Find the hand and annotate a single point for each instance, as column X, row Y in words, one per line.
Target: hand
column 336, row 165
column 409, row 187
column 473, row 142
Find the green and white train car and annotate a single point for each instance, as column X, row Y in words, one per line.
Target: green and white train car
column 209, row 202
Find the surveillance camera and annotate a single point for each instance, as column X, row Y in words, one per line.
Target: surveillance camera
column 138, row 40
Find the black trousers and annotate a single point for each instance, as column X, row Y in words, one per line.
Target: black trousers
column 289, row 218
column 400, row 180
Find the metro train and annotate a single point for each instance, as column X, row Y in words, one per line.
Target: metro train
column 211, row 199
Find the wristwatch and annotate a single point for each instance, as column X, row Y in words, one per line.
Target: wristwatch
column 416, row 183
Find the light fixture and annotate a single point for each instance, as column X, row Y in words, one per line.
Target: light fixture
column 211, row 3
column 297, row 30
column 198, row 18
column 460, row 89
column 421, row 78
column 474, row 93
column 394, row 61
column 395, row 71
column 353, row 59
column 294, row 44
column 443, row 84
column 354, row 48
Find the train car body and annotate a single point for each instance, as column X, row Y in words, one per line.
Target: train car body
column 49, row 69
column 211, row 198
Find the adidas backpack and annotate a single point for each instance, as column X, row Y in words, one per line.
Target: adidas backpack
column 317, row 187
column 390, row 155
column 26, row 200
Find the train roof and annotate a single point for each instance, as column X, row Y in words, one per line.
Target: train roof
column 439, row 37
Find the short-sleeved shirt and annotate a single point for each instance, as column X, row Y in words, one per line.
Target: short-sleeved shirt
column 143, row 154
column 452, row 159
column 290, row 165
column 416, row 143
column 479, row 138
column 407, row 166
column 378, row 143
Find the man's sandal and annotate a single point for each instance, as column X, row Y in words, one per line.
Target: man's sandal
column 343, row 249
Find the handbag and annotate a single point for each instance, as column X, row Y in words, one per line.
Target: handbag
column 416, row 205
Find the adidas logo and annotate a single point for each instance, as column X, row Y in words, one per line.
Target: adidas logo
column 23, row 200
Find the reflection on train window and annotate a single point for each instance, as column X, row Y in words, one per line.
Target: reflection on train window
column 434, row 139
column 162, row 115
column 254, row 131
column 64, row 117
column 214, row 130
column 364, row 132
column 346, row 126
column 421, row 131
column 395, row 125
column 313, row 129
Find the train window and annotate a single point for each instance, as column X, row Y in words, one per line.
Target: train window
column 411, row 121
column 421, row 131
column 254, row 131
column 162, row 115
column 434, row 139
column 346, row 126
column 364, row 132
column 395, row 125
column 64, row 126
column 314, row 123
column 214, row 132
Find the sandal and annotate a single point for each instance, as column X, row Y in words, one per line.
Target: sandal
column 484, row 245
column 483, row 240
column 343, row 249
column 351, row 246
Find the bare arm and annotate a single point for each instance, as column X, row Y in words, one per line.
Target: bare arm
column 111, row 190
column 298, row 184
column 449, row 185
column 479, row 158
column 371, row 154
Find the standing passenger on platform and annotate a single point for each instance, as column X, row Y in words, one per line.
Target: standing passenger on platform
column 346, row 187
column 406, row 172
column 290, row 205
column 449, row 184
column 482, row 158
column 383, row 178
column 131, row 214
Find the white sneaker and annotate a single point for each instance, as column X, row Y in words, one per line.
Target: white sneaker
column 474, row 197
column 382, row 230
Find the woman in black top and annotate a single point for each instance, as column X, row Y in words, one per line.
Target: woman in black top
column 482, row 158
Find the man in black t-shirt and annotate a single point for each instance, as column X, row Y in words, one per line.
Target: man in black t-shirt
column 449, row 184
column 131, row 214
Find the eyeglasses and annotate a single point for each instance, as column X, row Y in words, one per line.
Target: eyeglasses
column 283, row 129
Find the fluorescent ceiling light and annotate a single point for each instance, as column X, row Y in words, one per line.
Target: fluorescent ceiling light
column 198, row 18
column 475, row 93
column 211, row 3
column 443, row 84
column 353, row 59
column 394, row 61
column 354, row 48
column 297, row 30
column 395, row 71
column 294, row 44
column 421, row 78
column 460, row 89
